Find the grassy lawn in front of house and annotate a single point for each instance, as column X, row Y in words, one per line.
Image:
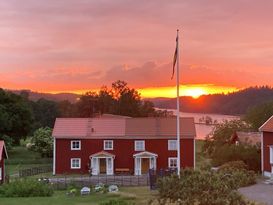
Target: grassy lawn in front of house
column 137, row 195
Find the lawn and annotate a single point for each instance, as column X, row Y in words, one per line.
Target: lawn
column 138, row 195
column 21, row 158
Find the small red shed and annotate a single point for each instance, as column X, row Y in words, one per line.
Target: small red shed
column 3, row 156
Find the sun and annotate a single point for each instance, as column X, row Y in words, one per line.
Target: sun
column 194, row 92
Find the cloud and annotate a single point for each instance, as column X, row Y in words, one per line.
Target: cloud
column 83, row 44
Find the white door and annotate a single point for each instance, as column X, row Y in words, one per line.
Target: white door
column 0, row 173
column 109, row 166
column 137, row 166
column 95, row 166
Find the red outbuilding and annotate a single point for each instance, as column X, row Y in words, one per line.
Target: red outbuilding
column 3, row 156
column 267, row 147
column 109, row 145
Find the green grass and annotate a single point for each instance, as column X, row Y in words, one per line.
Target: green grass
column 138, row 195
column 22, row 158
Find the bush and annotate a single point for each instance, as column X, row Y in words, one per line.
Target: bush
column 237, row 174
column 116, row 202
column 250, row 155
column 42, row 142
column 26, row 188
column 199, row 187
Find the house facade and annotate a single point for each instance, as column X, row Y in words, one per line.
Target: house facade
column 113, row 145
column 3, row 156
column 267, row 148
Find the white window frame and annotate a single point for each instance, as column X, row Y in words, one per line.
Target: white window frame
column 0, row 173
column 170, row 148
column 136, row 146
column 75, row 141
column 71, row 163
column 108, row 148
column 169, row 162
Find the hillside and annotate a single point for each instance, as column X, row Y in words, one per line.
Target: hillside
column 34, row 96
column 235, row 103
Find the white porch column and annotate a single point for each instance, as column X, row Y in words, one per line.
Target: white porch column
column 109, row 166
column 137, row 166
column 95, row 165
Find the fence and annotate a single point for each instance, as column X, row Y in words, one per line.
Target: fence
column 34, row 171
column 154, row 175
column 120, row 180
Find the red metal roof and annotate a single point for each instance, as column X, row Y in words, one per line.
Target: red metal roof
column 267, row 126
column 122, row 128
column 3, row 150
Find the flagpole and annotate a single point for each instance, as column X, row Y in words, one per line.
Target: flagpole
column 178, row 108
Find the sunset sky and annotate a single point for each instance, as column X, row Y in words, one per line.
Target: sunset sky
column 79, row 45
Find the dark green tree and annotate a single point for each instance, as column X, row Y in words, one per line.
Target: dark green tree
column 45, row 113
column 15, row 116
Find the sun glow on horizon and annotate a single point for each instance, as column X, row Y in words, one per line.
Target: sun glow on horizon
column 192, row 90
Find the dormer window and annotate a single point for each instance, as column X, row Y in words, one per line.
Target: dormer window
column 75, row 145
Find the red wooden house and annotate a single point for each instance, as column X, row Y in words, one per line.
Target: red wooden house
column 113, row 144
column 3, row 156
column 267, row 148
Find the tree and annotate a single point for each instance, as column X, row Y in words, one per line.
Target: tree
column 88, row 105
column 257, row 115
column 15, row 116
column 221, row 134
column 118, row 100
column 42, row 142
column 45, row 112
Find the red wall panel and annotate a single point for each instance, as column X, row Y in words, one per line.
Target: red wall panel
column 123, row 151
column 267, row 141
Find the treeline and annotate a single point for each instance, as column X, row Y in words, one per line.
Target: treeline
column 20, row 116
column 236, row 103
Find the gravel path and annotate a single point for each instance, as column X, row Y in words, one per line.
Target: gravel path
column 259, row 192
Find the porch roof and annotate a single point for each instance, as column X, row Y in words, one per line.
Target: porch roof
column 102, row 154
column 145, row 154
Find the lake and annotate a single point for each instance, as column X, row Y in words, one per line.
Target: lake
column 202, row 130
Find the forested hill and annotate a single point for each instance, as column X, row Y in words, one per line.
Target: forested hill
column 235, row 103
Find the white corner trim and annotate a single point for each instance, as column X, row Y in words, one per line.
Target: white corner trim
column 54, row 156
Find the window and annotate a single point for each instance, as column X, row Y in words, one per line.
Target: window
column 75, row 163
column 172, row 145
column 172, row 162
column 75, row 145
column 108, row 145
column 139, row 145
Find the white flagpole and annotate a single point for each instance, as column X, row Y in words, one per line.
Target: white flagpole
column 177, row 107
